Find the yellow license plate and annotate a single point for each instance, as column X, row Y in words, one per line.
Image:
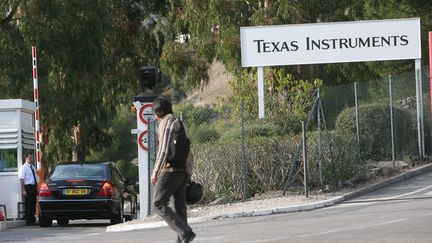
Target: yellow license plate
column 76, row 192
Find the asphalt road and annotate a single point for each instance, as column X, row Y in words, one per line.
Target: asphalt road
column 401, row 212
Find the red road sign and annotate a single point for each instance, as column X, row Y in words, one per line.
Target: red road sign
column 141, row 112
column 142, row 140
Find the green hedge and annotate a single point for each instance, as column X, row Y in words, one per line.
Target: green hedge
column 219, row 165
column 375, row 134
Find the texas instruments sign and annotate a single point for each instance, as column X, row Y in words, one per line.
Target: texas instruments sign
column 360, row 41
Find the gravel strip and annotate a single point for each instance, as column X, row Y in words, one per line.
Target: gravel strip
column 266, row 201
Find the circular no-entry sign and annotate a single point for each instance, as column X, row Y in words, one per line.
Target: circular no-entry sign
column 142, row 140
column 142, row 111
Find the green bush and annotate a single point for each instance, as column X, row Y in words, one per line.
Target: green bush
column 289, row 124
column 261, row 128
column 375, row 134
column 219, row 166
column 254, row 129
column 195, row 116
column 203, row 134
column 269, row 159
column 339, row 163
column 231, row 133
column 268, row 127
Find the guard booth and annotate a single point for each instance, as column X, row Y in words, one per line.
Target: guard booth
column 16, row 138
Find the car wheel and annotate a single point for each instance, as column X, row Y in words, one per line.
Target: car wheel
column 62, row 221
column 118, row 218
column 44, row 221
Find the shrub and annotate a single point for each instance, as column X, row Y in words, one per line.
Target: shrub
column 289, row 124
column 219, row 166
column 195, row 116
column 203, row 134
column 375, row 136
column 268, row 127
column 269, row 159
column 339, row 163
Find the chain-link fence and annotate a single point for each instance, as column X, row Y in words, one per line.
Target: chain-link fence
column 238, row 155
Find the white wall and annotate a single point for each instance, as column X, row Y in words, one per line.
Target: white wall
column 16, row 115
column 10, row 193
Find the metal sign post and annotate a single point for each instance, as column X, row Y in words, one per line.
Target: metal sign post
column 419, row 101
column 430, row 85
column 260, row 92
column 146, row 132
column 144, row 114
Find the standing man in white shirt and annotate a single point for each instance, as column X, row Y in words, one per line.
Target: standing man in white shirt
column 27, row 176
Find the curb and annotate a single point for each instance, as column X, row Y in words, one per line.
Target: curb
column 11, row 224
column 289, row 209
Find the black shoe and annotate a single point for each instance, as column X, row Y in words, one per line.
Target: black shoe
column 189, row 237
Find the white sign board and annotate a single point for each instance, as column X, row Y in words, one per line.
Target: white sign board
column 359, row 41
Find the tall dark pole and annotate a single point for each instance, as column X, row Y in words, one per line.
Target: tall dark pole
column 305, row 164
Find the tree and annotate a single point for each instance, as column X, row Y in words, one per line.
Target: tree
column 14, row 54
column 211, row 28
column 400, row 9
column 89, row 54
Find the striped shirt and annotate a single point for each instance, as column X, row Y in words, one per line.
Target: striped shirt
column 168, row 124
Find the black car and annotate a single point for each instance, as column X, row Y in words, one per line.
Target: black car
column 86, row 190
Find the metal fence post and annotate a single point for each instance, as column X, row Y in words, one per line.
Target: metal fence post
column 419, row 99
column 391, row 120
column 321, row 177
column 305, row 164
column 245, row 169
column 358, row 152
column 357, row 122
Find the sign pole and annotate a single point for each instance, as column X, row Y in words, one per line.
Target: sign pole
column 419, row 95
column 260, row 92
column 143, row 112
column 430, row 84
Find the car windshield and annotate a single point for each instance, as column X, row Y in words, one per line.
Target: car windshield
column 80, row 171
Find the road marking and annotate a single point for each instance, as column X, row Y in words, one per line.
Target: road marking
column 350, row 204
column 355, row 228
column 212, row 239
column 327, row 232
column 409, row 193
column 404, row 187
column 393, row 197
column 199, row 238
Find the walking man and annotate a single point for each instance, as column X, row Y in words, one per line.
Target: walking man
column 28, row 181
column 169, row 180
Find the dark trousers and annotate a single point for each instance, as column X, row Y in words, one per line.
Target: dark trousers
column 30, row 203
column 172, row 184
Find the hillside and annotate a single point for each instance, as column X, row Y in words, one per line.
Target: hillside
column 217, row 87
